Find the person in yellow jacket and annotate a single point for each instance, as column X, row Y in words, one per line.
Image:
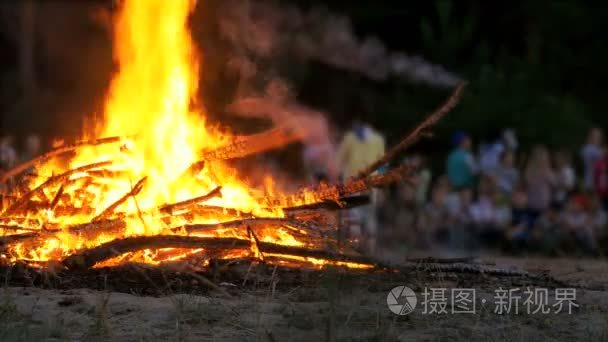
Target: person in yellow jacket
column 360, row 147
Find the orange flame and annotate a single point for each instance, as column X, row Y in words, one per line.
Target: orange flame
column 152, row 101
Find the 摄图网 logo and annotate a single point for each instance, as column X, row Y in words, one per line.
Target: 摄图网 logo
column 401, row 300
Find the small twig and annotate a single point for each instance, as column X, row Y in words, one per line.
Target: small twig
column 209, row 283
column 56, row 198
column 109, row 210
column 256, row 242
column 139, row 212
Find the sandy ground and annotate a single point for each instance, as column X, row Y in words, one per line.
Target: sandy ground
column 331, row 309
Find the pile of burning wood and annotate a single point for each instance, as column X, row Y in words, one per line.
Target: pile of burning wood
column 54, row 221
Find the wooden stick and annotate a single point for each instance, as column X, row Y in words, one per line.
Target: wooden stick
column 109, row 210
column 53, row 153
column 342, row 203
column 90, row 257
column 170, row 208
column 417, row 133
column 326, row 192
column 252, row 222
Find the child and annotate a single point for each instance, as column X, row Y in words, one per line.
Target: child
column 487, row 216
column 434, row 220
column 577, row 222
column 600, row 178
column 522, row 219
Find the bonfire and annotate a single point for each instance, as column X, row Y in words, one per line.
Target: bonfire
column 150, row 183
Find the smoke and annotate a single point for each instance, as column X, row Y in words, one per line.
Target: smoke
column 264, row 29
column 262, row 34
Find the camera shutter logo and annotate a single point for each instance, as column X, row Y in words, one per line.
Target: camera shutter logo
column 401, row 300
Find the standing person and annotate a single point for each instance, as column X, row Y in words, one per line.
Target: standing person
column 490, row 153
column 539, row 178
column 461, row 165
column 506, row 174
column 422, row 179
column 361, row 147
column 590, row 153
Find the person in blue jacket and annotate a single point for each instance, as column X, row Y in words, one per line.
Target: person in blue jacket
column 461, row 165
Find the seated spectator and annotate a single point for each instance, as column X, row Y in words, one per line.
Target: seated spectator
column 565, row 178
column 488, row 215
column 590, row 154
column 506, row 174
column 522, row 219
column 547, row 232
column 599, row 218
column 434, row 220
column 459, row 208
column 400, row 217
column 576, row 222
column 600, row 179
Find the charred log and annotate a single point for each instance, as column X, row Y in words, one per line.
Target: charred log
column 90, row 257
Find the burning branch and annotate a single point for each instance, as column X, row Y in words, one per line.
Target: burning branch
column 326, row 192
column 252, row 144
column 252, row 222
column 109, row 210
column 418, row 132
column 170, row 208
column 53, row 153
column 50, row 182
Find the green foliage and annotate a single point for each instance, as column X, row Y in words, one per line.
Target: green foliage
column 506, row 90
column 447, row 38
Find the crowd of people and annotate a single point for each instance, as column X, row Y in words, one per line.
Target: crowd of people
column 496, row 196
